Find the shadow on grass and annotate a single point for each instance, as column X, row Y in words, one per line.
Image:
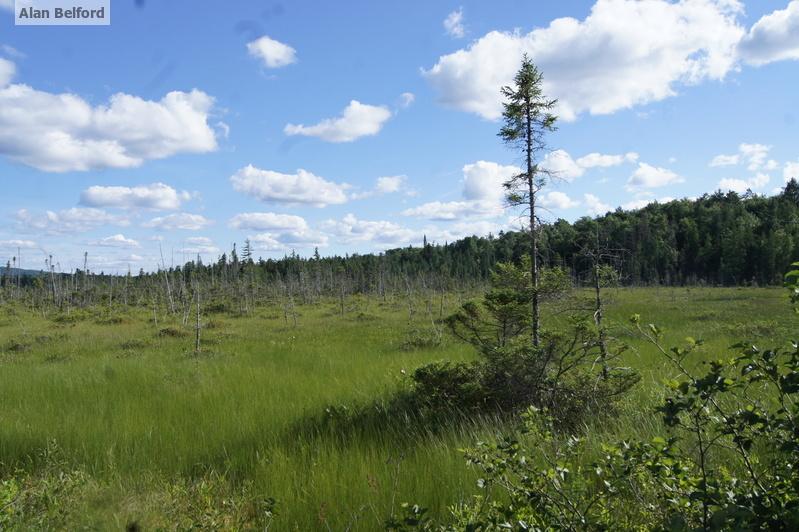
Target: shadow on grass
column 401, row 420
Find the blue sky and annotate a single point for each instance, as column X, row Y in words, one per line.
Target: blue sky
column 360, row 126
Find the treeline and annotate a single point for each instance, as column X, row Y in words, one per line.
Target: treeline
column 718, row 239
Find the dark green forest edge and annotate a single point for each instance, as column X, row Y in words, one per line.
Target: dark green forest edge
column 722, row 239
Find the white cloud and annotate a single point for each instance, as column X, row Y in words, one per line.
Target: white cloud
column 16, row 243
column 154, row 196
column 462, row 230
column 636, row 204
column 482, row 180
column 181, row 220
column 380, row 233
column 116, row 241
column 755, row 155
column 643, row 202
column 561, row 165
column 775, row 37
column 406, row 99
column 266, row 221
column 595, row 206
column 356, row 121
column 7, row 71
column 453, row 24
column 725, row 160
column 625, row 53
column 302, row 187
column 277, row 231
column 389, row 184
column 455, row 210
column 790, row 171
column 648, row 176
column 63, row 132
column 557, row 200
column 482, row 191
column 742, row 185
column 199, row 245
column 274, row 54
column 599, row 160
column 277, row 241
column 74, row 220
column 385, row 185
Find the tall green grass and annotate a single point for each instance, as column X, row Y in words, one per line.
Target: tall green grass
column 137, row 409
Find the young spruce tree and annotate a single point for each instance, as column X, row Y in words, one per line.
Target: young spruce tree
column 527, row 117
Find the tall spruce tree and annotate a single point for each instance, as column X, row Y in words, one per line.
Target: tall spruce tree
column 527, row 117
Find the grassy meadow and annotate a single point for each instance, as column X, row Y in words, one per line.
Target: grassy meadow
column 141, row 431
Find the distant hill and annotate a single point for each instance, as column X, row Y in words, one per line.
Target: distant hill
column 21, row 273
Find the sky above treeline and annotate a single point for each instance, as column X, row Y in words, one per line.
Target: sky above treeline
column 357, row 126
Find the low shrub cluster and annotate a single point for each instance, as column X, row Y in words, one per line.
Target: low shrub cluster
column 728, row 457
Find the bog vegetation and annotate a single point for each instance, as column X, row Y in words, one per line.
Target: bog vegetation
column 596, row 374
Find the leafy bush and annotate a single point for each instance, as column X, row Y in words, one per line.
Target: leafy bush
column 420, row 338
column 172, row 332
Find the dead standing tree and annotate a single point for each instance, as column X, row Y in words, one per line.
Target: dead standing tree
column 603, row 261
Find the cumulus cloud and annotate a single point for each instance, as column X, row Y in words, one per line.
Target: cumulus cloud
column 385, row 185
column 181, row 220
column 600, row 160
column 557, row 200
column 595, row 206
column 199, row 245
column 453, row 24
column 16, row 243
column 791, row 171
column 640, row 203
column 725, row 160
column 648, row 176
column 157, row 196
column 742, row 185
column 7, row 71
column 264, row 221
column 460, row 230
column 286, row 240
column 775, row 37
column 63, row 132
column 754, row 155
column 482, row 180
column 389, row 184
column 273, row 54
column 356, row 121
column 455, row 210
column 302, row 187
column 561, row 165
column 277, row 231
column 483, row 194
column 74, row 220
column 116, row 241
column 379, row 233
column 625, row 53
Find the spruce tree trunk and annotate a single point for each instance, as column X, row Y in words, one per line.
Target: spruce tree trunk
column 533, row 233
